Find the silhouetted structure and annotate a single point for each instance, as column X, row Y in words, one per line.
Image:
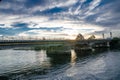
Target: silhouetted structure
column 43, row 38
column 91, row 37
column 80, row 37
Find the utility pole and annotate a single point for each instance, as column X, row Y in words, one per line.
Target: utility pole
column 2, row 37
column 111, row 35
column 103, row 36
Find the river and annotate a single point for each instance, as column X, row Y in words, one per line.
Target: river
column 70, row 65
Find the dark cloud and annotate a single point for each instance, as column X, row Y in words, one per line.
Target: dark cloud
column 25, row 27
column 108, row 14
column 7, row 11
column 33, row 3
column 54, row 10
column 50, row 12
column 2, row 24
column 20, row 25
column 51, row 29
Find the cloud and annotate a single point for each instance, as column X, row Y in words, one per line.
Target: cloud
column 20, row 25
column 66, row 17
column 61, row 32
column 43, row 33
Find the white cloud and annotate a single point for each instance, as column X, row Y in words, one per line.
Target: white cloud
column 78, row 9
column 91, row 9
column 94, row 4
column 51, row 4
column 104, row 17
column 43, row 33
column 69, row 30
column 83, row 13
column 6, row 26
column 70, row 27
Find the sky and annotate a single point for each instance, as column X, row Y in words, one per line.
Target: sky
column 59, row 18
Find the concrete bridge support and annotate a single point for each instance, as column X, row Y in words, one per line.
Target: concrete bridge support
column 108, row 44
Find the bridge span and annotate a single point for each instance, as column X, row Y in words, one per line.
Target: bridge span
column 94, row 42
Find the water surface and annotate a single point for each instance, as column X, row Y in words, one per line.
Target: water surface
column 70, row 65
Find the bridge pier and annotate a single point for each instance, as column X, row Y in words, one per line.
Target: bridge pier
column 108, row 44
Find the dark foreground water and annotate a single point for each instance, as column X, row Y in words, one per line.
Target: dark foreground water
column 42, row 65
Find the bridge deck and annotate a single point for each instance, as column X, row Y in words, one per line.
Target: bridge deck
column 15, row 42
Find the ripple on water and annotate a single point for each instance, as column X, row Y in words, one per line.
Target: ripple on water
column 104, row 66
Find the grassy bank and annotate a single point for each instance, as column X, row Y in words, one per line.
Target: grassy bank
column 53, row 48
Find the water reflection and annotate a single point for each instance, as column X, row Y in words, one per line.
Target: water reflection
column 22, row 60
column 73, row 57
column 42, row 59
column 72, row 65
column 58, row 59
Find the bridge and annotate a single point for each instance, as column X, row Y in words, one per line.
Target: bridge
column 29, row 42
column 96, row 43
column 80, row 40
column 92, row 43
